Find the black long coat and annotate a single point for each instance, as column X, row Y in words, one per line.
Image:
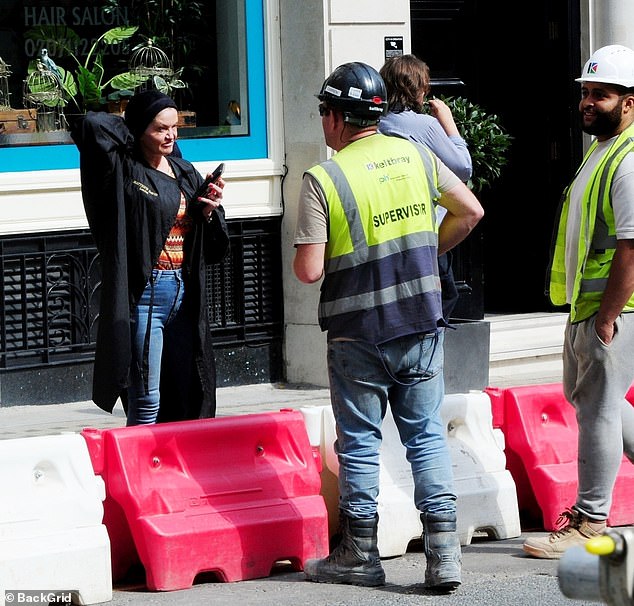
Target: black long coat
column 130, row 209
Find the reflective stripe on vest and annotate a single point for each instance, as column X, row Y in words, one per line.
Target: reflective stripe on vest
column 380, row 260
column 598, row 245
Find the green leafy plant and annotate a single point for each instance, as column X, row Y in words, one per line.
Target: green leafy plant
column 167, row 86
column 180, row 29
column 170, row 24
column 87, row 88
column 487, row 140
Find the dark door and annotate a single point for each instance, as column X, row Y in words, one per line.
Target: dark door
column 524, row 72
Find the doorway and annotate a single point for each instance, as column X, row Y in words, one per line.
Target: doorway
column 523, row 72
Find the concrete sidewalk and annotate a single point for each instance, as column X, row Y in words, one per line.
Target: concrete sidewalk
column 22, row 421
column 494, row 571
column 47, row 419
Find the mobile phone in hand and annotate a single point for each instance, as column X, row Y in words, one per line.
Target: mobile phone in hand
column 202, row 191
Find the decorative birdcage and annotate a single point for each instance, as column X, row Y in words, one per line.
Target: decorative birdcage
column 43, row 92
column 151, row 63
column 5, row 72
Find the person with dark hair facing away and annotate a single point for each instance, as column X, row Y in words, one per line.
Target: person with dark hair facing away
column 155, row 240
column 367, row 224
column 408, row 84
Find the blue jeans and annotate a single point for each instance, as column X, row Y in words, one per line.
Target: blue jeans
column 406, row 373
column 168, row 331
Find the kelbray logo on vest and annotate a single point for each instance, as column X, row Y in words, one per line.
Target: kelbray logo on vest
column 381, row 273
column 597, row 240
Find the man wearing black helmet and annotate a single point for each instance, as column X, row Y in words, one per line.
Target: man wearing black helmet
column 367, row 224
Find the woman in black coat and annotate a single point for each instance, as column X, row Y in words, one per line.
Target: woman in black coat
column 155, row 240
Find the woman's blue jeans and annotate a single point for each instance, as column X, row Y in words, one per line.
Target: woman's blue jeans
column 406, row 373
column 158, row 325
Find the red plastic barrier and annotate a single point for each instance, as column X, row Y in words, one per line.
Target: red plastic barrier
column 540, row 430
column 496, row 395
column 231, row 495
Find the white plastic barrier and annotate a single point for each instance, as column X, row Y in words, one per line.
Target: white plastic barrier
column 487, row 499
column 51, row 533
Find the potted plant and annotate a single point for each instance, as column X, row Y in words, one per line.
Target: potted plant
column 87, row 87
column 487, row 140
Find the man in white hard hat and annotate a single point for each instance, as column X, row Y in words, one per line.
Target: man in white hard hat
column 592, row 270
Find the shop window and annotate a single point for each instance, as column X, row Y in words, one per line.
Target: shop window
column 67, row 57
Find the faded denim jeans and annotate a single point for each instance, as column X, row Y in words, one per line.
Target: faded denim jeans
column 167, row 330
column 407, row 374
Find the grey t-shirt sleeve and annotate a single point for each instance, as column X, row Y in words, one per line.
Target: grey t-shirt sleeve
column 312, row 213
column 623, row 198
column 446, row 178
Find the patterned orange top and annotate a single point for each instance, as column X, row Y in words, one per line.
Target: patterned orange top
column 171, row 256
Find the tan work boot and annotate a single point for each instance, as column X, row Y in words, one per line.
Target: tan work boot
column 575, row 529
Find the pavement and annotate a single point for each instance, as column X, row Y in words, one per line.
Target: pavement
column 45, row 419
column 494, row 571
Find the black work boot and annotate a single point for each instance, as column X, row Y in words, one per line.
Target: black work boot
column 355, row 561
column 442, row 549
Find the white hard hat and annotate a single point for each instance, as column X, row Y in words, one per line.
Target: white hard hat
column 613, row 64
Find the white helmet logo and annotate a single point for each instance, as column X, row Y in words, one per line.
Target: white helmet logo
column 612, row 64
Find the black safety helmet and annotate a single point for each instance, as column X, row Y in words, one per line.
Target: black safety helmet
column 358, row 91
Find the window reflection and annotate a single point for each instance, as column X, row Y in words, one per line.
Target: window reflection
column 204, row 42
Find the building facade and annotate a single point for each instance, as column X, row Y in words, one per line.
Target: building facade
column 251, row 70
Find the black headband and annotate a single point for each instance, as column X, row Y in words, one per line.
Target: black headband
column 143, row 108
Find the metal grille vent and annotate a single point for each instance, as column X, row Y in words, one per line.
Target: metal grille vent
column 50, row 287
column 48, row 300
column 246, row 289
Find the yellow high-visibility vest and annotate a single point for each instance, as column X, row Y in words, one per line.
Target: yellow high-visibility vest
column 597, row 240
column 380, row 269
